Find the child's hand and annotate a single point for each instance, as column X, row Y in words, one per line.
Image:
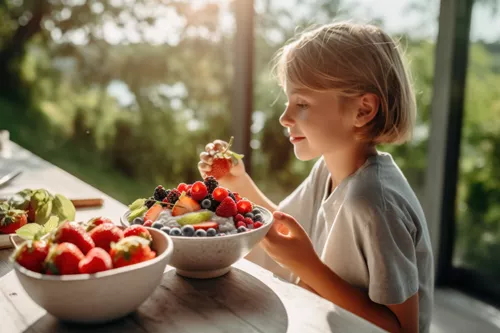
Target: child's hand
column 208, row 162
column 288, row 243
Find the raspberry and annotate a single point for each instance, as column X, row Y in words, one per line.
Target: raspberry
column 148, row 223
column 238, row 217
column 199, row 191
column 220, row 194
column 227, row 208
column 159, row 193
column 248, row 220
column 211, row 183
column 240, row 224
column 257, row 225
column 183, row 187
column 173, row 196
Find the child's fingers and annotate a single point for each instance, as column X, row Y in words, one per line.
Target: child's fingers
column 204, row 167
column 206, row 158
column 286, row 223
column 209, row 148
column 220, row 145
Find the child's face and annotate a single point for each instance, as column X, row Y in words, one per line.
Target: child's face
column 318, row 123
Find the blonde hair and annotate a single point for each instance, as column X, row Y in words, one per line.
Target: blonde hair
column 354, row 59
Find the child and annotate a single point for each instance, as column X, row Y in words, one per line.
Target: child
column 353, row 232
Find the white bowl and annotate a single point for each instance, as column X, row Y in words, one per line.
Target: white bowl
column 100, row 297
column 210, row 257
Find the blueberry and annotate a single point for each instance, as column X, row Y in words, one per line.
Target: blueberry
column 250, row 215
column 258, row 217
column 206, row 203
column 187, row 230
column 166, row 230
column 138, row 220
column 157, row 225
column 200, row 233
column 255, row 211
column 242, row 229
column 211, row 232
column 175, row 232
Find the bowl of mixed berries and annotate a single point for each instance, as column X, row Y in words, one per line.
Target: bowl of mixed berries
column 92, row 272
column 211, row 227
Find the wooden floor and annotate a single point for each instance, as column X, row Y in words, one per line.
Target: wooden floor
column 455, row 312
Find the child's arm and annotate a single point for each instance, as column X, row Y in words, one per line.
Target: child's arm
column 293, row 249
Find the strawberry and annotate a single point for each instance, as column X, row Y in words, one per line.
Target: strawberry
column 220, row 193
column 227, row 208
column 63, row 259
column 223, row 161
column 237, row 196
column 96, row 221
column 97, row 260
column 244, row 206
column 184, row 205
column 105, row 234
column 31, row 255
column 199, row 191
column 153, row 212
column 11, row 219
column 206, row 225
column 137, row 230
column 70, row 232
column 131, row 250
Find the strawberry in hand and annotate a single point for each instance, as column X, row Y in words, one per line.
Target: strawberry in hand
column 219, row 161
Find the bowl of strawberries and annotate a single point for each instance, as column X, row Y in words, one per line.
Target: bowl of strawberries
column 92, row 272
column 211, row 227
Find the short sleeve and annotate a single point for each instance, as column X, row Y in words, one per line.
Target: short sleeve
column 387, row 244
column 301, row 202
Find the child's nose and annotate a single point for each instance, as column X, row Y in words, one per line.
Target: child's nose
column 285, row 119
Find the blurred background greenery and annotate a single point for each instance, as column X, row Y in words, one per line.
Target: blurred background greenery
column 124, row 94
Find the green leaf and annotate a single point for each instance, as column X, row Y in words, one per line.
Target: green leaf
column 43, row 212
column 28, row 231
column 63, row 208
column 51, row 224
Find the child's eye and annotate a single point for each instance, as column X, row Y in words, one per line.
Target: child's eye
column 302, row 106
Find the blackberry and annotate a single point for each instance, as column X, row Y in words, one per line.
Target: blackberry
column 150, row 202
column 214, row 203
column 173, row 196
column 211, row 183
column 159, row 193
column 231, row 195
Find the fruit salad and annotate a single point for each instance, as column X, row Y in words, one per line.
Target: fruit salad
column 85, row 248
column 201, row 209
column 30, row 212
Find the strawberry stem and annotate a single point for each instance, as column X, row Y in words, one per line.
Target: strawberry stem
column 230, row 143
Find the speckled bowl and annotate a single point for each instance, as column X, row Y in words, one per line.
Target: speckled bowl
column 100, row 297
column 210, row 257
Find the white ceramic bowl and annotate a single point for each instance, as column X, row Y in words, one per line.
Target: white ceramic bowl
column 210, row 257
column 100, row 297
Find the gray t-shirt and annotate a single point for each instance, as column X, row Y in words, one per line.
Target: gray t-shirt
column 371, row 231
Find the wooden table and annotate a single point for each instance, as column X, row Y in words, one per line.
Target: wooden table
column 247, row 299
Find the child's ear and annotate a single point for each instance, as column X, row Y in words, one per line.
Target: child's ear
column 367, row 109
